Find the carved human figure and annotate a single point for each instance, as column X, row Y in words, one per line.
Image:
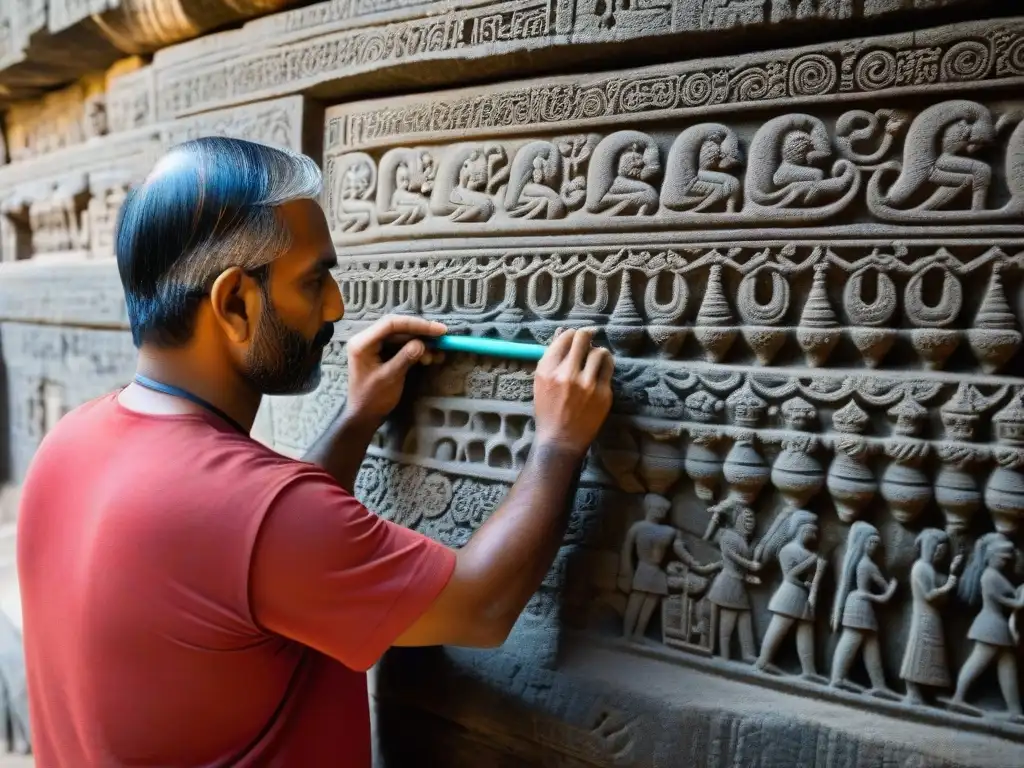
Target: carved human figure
column 728, row 595
column 794, row 541
column 620, row 175
column 925, row 662
column 985, row 582
column 466, row 181
column 861, row 586
column 935, row 154
column 649, row 541
column 696, row 173
column 533, row 182
column 783, row 170
column 355, row 179
column 406, row 179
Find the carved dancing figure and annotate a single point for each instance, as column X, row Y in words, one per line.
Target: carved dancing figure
column 934, row 153
column 696, row 177
column 647, row 583
column 782, row 171
column 854, row 611
column 925, row 661
column 466, row 181
column 533, row 181
column 406, row 179
column 985, row 582
column 620, row 175
column 355, row 178
column 793, row 538
column 728, row 595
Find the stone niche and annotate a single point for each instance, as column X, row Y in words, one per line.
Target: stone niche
column 808, row 263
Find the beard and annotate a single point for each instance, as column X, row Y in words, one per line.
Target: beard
column 281, row 360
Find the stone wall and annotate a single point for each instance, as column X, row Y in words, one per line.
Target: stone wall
column 804, row 241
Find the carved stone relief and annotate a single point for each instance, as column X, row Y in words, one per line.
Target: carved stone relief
column 816, row 453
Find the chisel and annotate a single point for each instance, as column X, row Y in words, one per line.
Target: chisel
column 475, row 345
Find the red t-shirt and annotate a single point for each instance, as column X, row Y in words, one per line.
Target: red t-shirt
column 192, row 598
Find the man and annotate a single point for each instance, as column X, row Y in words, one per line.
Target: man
column 190, row 597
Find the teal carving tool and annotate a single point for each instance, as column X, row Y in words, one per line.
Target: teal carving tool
column 474, row 345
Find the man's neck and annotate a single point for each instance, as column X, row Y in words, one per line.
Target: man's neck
column 208, row 380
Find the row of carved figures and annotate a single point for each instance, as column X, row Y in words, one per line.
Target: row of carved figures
column 792, row 174
column 706, row 605
column 580, row 290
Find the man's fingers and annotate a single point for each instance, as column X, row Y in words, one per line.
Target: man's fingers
column 594, row 365
column 558, row 348
column 581, row 346
column 394, row 325
column 604, row 378
column 406, row 357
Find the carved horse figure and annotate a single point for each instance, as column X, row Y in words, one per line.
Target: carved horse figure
column 935, row 153
column 782, row 171
column 695, row 174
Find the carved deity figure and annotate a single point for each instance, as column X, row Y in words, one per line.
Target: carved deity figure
column 621, row 174
column 728, row 595
column 985, row 582
column 533, row 183
column 355, row 180
column 696, row 177
column 925, row 662
column 935, row 158
column 793, row 539
column 861, row 586
column 466, row 181
column 783, row 170
column 406, row 180
column 649, row 541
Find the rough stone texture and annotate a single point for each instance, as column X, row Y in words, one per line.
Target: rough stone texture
column 807, row 258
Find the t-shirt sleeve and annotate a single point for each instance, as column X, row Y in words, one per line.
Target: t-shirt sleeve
column 331, row 575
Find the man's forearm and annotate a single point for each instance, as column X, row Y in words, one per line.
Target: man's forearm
column 514, row 549
column 341, row 449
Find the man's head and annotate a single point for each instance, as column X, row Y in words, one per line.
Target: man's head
column 224, row 247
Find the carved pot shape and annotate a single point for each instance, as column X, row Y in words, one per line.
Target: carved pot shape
column 704, row 467
column 934, row 345
column 764, row 341
column 622, row 465
column 798, row 476
column 817, row 343
column 660, row 465
column 907, row 490
column 851, row 484
column 1004, row 497
column 745, row 471
column 509, row 323
column 667, row 338
column 958, row 497
column 625, row 339
column 873, row 343
column 715, row 340
column 993, row 347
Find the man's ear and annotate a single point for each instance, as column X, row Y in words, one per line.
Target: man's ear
column 235, row 300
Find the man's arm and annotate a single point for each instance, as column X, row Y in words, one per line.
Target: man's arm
column 506, row 559
column 374, row 389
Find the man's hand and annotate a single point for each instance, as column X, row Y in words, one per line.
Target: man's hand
column 375, row 386
column 572, row 391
